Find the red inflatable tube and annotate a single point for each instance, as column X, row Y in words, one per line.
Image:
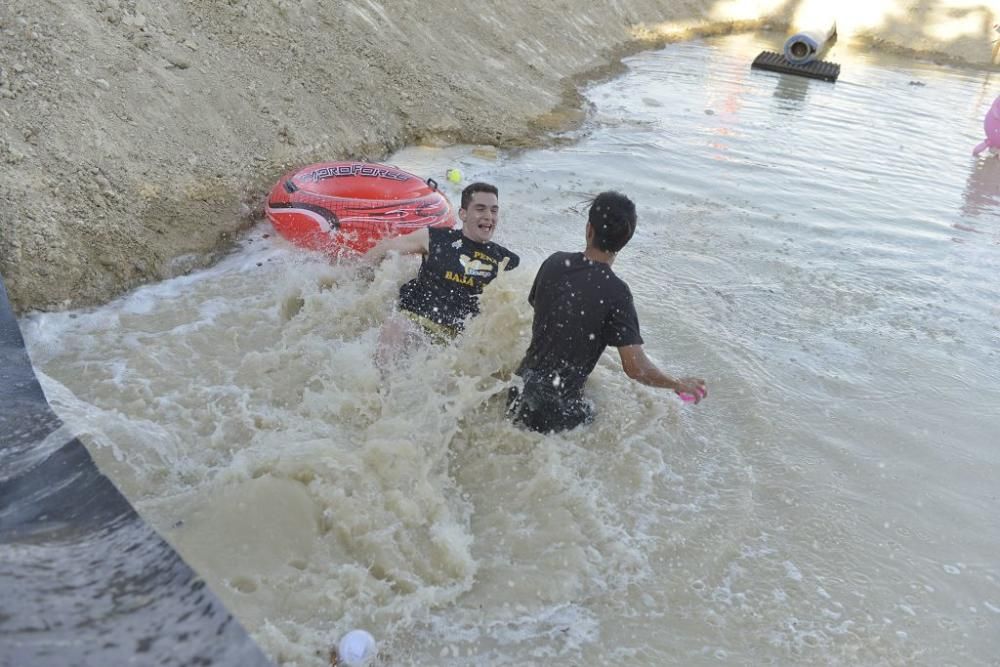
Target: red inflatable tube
column 338, row 206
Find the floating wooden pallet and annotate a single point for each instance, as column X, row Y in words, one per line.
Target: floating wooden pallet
column 776, row 62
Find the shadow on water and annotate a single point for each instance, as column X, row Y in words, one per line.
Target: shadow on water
column 792, row 92
column 982, row 189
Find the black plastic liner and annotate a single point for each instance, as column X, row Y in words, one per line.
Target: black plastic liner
column 83, row 579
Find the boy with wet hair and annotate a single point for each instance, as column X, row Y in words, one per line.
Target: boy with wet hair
column 456, row 265
column 581, row 307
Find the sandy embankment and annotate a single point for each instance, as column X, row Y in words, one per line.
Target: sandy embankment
column 136, row 139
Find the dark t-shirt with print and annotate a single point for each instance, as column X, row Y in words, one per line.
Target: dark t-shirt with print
column 581, row 307
column 452, row 275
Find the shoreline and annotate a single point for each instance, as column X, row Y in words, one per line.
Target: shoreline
column 138, row 142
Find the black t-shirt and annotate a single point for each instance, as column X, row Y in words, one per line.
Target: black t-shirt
column 452, row 275
column 581, row 307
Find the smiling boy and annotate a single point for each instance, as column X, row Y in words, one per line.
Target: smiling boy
column 456, row 265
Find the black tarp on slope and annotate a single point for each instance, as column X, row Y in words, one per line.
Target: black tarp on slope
column 83, row 579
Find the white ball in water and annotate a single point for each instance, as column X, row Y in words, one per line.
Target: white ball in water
column 356, row 648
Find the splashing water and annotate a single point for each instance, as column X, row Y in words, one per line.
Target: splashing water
column 831, row 502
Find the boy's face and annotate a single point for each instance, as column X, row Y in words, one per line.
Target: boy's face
column 480, row 219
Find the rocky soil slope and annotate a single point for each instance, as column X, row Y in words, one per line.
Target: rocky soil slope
column 137, row 138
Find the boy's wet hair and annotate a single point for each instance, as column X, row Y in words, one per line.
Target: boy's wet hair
column 612, row 216
column 473, row 188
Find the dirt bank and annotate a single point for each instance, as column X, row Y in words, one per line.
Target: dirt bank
column 136, row 140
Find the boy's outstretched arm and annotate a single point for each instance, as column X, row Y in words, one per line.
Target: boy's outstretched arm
column 641, row 368
column 407, row 244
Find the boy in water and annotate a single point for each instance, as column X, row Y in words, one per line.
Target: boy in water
column 456, row 265
column 581, row 307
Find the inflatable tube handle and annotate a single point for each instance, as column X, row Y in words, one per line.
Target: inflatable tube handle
column 432, row 184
